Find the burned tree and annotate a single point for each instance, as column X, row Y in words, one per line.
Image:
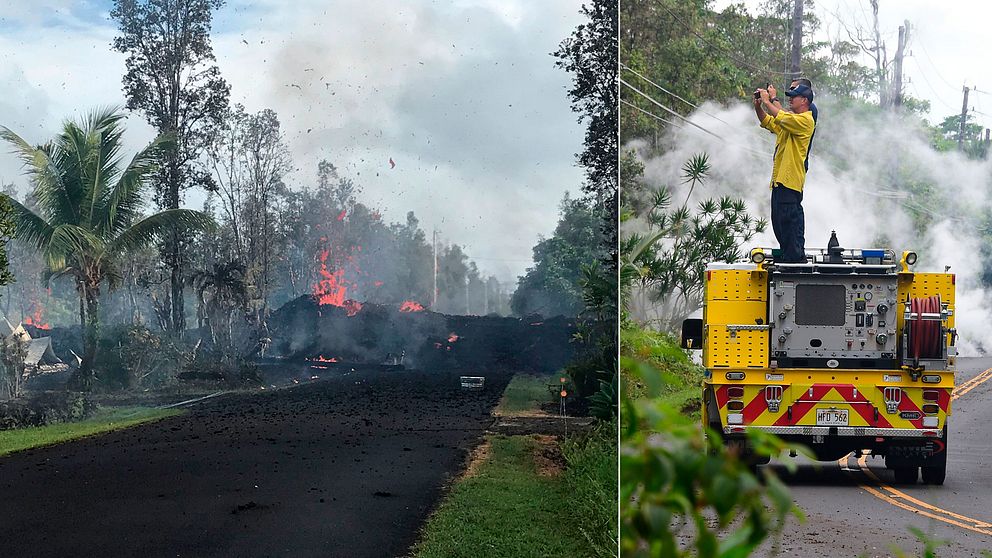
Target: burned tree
column 172, row 80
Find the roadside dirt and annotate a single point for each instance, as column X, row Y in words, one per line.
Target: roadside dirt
column 350, row 465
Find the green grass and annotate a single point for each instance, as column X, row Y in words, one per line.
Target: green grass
column 104, row 420
column 527, row 393
column 506, row 510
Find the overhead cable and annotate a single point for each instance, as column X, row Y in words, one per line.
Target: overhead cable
column 633, row 71
column 686, row 120
column 651, row 114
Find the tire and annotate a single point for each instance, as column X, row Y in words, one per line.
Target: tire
column 906, row 475
column 936, row 467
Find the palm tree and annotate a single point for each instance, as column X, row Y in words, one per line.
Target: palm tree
column 221, row 291
column 89, row 206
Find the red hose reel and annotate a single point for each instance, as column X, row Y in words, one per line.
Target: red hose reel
column 926, row 336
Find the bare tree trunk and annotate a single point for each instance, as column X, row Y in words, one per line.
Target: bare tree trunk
column 797, row 40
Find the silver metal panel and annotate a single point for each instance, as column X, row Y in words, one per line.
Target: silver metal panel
column 803, row 303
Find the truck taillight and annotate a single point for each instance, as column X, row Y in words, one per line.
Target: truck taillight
column 735, row 405
column 931, row 395
column 931, row 408
column 735, row 392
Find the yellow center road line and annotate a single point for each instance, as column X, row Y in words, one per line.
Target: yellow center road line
column 904, row 501
column 971, row 384
column 862, row 463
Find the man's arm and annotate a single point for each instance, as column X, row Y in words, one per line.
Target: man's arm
column 757, row 110
column 767, row 105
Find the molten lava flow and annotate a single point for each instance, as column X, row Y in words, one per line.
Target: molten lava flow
column 35, row 318
column 332, row 286
column 452, row 337
column 411, row 306
column 320, row 358
column 352, row 306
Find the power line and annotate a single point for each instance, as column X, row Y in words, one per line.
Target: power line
column 651, row 114
column 935, row 69
column 668, row 110
column 686, row 120
column 724, row 50
column 633, row 71
column 929, row 85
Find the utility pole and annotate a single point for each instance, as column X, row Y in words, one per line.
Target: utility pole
column 797, row 39
column 964, row 118
column 434, row 295
column 897, row 61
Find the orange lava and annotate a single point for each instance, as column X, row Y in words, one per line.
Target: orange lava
column 411, row 306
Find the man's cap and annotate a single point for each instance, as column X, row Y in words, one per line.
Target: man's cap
column 802, row 91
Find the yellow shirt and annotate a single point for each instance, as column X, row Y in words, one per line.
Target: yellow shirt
column 793, row 134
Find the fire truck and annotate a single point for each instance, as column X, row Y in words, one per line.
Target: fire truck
column 849, row 351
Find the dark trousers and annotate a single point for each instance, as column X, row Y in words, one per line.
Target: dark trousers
column 789, row 223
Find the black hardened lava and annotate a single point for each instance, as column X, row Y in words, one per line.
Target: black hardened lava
column 349, row 465
column 304, row 329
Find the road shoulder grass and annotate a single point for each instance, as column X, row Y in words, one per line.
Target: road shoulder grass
column 105, row 420
column 505, row 508
column 534, row 495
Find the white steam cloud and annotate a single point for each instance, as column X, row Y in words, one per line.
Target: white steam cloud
column 871, row 178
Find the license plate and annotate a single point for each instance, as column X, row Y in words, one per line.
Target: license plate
column 831, row 417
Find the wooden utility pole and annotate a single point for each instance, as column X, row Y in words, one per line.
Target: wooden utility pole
column 797, row 40
column 964, row 118
column 897, row 62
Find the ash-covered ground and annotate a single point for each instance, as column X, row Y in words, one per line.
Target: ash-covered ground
column 349, row 465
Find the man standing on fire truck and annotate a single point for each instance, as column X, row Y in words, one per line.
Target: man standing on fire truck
column 793, row 139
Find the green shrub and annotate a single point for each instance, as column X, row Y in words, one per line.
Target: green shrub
column 44, row 408
column 672, row 474
column 591, row 478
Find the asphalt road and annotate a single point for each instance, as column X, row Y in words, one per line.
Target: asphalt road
column 857, row 509
column 350, row 465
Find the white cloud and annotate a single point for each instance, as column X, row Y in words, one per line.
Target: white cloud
column 464, row 96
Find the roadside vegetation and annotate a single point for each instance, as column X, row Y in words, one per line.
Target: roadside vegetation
column 516, row 503
column 104, row 420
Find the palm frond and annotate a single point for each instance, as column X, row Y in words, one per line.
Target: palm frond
column 104, row 136
column 46, row 174
column 124, row 201
column 149, row 228
column 28, row 225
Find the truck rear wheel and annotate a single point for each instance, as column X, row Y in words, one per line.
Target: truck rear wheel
column 936, row 467
column 906, row 475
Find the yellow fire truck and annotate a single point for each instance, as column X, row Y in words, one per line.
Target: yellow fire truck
column 847, row 352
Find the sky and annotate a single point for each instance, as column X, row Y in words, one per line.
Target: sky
column 462, row 95
column 946, row 49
